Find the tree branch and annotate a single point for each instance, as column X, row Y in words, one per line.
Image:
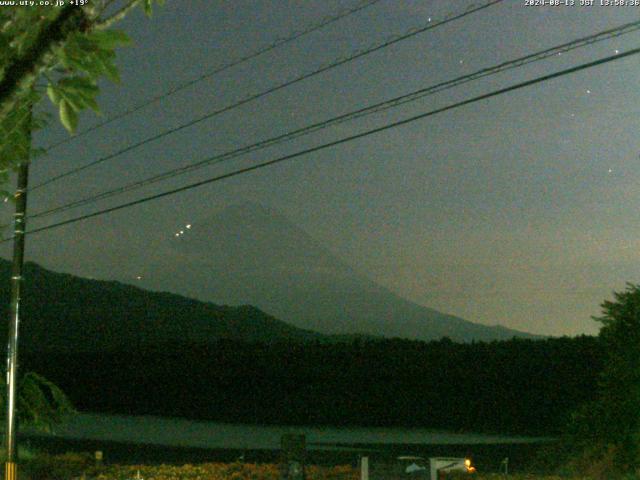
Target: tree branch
column 21, row 73
column 116, row 16
column 103, row 8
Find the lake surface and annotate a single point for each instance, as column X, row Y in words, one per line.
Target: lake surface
column 200, row 434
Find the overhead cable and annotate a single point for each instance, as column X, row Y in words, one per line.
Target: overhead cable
column 181, row 86
column 340, row 141
column 369, row 110
column 359, row 54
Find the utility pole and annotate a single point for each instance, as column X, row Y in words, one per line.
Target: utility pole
column 19, row 225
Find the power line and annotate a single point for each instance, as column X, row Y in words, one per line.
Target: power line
column 274, row 45
column 411, row 33
column 340, row 141
column 378, row 107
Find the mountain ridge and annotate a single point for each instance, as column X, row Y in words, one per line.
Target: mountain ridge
column 247, row 253
column 289, row 288
column 63, row 312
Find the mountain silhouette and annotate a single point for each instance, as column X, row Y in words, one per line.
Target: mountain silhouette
column 249, row 254
column 64, row 313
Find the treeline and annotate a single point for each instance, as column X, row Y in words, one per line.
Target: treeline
column 523, row 386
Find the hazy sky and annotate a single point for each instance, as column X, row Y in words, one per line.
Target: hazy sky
column 520, row 210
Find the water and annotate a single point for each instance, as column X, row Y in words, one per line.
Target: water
column 212, row 435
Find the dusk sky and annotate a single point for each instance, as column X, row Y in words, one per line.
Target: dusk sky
column 520, row 210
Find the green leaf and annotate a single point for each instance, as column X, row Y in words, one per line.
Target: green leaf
column 54, row 94
column 79, row 83
column 92, row 104
column 68, row 116
column 5, row 196
column 79, row 86
column 105, row 60
column 110, row 39
column 147, row 7
column 78, row 92
column 112, row 72
column 72, row 99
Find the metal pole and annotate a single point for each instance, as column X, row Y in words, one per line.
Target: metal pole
column 10, row 471
column 364, row 468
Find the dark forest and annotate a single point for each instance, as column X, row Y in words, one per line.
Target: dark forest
column 517, row 386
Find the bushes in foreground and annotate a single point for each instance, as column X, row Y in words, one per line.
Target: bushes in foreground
column 220, row 471
column 80, row 466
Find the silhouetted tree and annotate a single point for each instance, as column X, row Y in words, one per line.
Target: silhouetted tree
column 607, row 429
column 41, row 404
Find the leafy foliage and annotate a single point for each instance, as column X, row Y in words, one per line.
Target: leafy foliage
column 148, row 6
column 606, row 431
column 71, row 62
column 15, row 138
column 515, row 386
column 71, row 48
column 41, row 403
column 63, row 467
column 58, row 467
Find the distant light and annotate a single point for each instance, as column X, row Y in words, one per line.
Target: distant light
column 610, row 170
column 177, row 234
column 181, row 232
column 588, row 91
column 467, row 464
column 188, row 225
column 429, row 19
column 138, row 277
column 617, row 51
